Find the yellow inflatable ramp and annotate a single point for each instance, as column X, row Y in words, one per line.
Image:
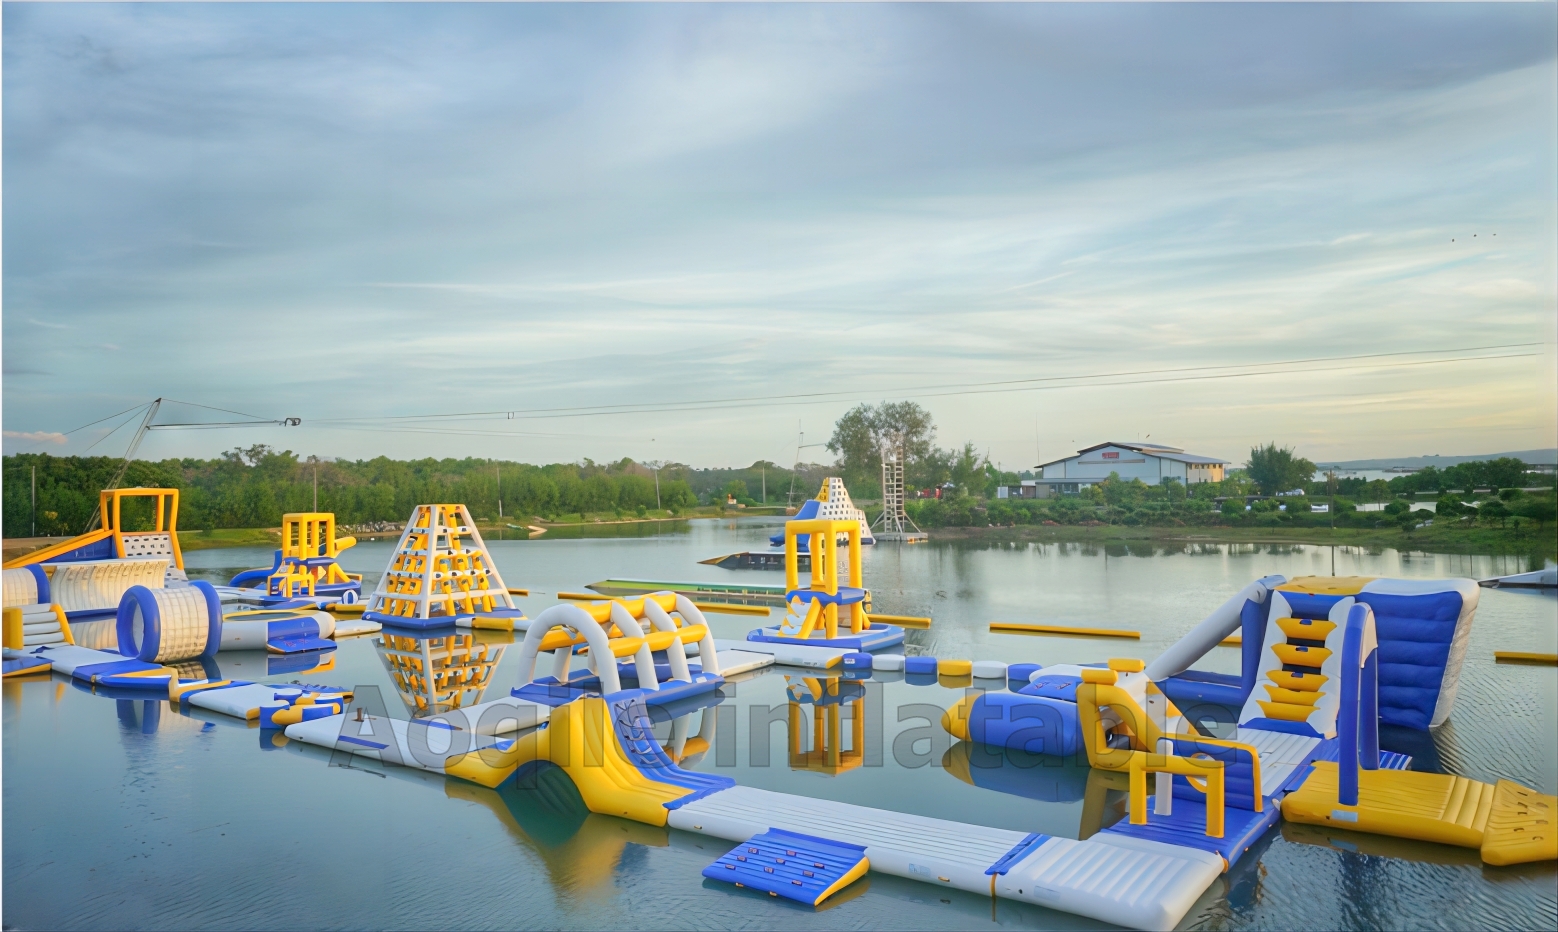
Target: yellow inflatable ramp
column 607, row 748
column 1507, row 822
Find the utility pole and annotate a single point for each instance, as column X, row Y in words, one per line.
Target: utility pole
column 35, row 500
column 655, row 465
column 497, row 471
column 315, row 461
column 765, row 483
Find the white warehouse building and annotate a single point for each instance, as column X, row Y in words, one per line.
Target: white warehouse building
column 1149, row 462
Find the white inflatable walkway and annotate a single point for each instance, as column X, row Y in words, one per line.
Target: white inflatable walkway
column 1130, row 882
column 790, row 655
column 413, row 743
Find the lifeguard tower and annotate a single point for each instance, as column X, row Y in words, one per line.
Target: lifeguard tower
column 828, row 611
column 894, row 521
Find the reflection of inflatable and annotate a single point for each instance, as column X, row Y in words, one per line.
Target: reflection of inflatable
column 441, row 574
column 437, row 674
column 306, row 563
column 581, row 851
column 1017, row 773
column 827, row 751
column 814, row 614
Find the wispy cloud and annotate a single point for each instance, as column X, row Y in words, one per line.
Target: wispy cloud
column 529, row 205
column 37, row 436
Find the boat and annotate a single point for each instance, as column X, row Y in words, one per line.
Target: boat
column 1537, row 579
column 755, row 560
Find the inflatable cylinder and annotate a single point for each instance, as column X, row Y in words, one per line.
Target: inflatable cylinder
column 169, row 625
column 27, row 585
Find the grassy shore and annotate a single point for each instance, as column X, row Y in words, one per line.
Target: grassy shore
column 1543, row 544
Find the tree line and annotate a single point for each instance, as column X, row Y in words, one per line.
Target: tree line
column 255, row 486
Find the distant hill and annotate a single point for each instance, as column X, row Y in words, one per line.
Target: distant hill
column 1417, row 462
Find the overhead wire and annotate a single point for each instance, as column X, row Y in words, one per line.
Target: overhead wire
column 923, row 391
column 1001, row 387
column 116, row 429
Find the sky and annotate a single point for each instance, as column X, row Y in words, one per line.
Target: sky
column 1331, row 226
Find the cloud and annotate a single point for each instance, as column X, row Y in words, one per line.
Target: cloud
column 38, row 436
column 480, row 207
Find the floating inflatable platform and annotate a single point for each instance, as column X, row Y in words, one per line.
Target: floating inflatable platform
column 727, row 593
column 1131, row 882
column 790, row 652
column 877, row 637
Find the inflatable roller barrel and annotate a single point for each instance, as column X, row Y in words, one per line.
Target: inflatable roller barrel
column 27, row 585
column 1034, row 724
column 169, row 625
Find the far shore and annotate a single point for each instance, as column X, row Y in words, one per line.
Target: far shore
column 1541, row 544
column 190, row 540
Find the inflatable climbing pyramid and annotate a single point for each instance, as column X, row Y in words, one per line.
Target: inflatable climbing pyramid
column 440, row 574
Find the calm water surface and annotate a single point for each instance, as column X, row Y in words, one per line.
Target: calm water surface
column 122, row 813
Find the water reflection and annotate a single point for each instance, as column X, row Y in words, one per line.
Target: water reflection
column 581, row 851
column 822, row 746
column 437, row 674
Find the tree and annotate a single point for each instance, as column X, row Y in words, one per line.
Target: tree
column 865, row 434
column 1493, row 509
column 967, row 472
column 1540, row 510
column 1275, row 469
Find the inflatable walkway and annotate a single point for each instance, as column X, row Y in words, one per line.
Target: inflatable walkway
column 605, row 747
column 1326, row 662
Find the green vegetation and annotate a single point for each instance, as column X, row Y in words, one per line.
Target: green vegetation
column 254, row 487
column 906, row 431
column 1510, row 519
column 1277, row 470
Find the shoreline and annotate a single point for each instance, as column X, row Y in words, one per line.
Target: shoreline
column 1448, row 540
column 1543, row 544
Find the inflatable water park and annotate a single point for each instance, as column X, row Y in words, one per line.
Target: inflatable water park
column 1325, row 664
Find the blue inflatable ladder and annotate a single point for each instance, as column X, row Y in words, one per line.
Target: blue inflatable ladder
column 795, row 866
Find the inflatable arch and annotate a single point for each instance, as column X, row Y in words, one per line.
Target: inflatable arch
column 562, row 628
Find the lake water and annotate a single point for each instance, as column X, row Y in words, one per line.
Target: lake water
column 123, row 813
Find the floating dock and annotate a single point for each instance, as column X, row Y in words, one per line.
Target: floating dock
column 728, row 593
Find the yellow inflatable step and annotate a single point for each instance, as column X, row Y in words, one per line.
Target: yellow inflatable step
column 1508, row 823
column 1520, row 827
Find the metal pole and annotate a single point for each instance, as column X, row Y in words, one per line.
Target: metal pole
column 315, row 460
column 135, row 444
column 34, row 500
column 498, row 472
column 765, row 484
